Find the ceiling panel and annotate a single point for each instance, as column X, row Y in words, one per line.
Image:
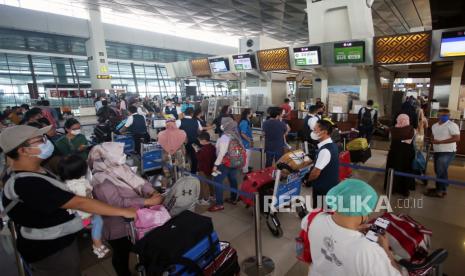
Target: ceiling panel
column 284, row 20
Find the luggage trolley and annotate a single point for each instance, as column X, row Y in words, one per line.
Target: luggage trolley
column 151, row 157
column 127, row 140
column 284, row 192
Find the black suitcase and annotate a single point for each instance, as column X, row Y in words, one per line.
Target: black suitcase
column 360, row 156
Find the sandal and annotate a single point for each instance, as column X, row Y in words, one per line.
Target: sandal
column 216, row 208
column 231, row 201
column 434, row 193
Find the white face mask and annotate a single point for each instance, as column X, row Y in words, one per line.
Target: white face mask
column 76, row 131
column 314, row 135
column 122, row 160
column 222, row 128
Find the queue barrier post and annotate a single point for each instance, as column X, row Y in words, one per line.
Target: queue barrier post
column 19, row 260
column 391, row 174
column 262, row 157
column 257, row 265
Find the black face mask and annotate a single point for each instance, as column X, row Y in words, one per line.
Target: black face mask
column 320, row 113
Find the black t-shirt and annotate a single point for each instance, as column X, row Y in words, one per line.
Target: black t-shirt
column 40, row 208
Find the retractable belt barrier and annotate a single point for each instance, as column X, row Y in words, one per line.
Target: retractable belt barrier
column 216, row 184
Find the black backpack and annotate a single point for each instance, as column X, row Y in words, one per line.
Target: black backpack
column 367, row 120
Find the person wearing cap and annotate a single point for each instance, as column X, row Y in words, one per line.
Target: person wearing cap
column 325, row 173
column 37, row 202
column 337, row 246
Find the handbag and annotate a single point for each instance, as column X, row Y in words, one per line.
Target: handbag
column 150, row 218
column 419, row 161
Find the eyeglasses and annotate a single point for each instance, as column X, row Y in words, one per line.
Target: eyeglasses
column 37, row 140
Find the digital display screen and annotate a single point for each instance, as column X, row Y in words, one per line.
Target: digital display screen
column 219, row 65
column 349, row 52
column 307, row 56
column 243, row 62
column 453, row 44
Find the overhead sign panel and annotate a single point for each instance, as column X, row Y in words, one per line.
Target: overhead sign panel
column 244, row 62
column 200, row 67
column 453, row 44
column 274, row 59
column 305, row 56
column 349, row 52
column 403, row 48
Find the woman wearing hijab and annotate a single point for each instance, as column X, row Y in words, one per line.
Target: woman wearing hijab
column 230, row 132
column 116, row 184
column 401, row 155
column 172, row 140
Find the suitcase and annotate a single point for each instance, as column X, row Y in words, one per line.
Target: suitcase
column 102, row 133
column 360, row 156
column 254, row 181
column 357, row 144
column 225, row 264
column 344, row 172
column 202, row 255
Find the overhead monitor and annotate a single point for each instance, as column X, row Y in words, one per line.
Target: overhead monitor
column 219, row 65
column 304, row 56
column 244, row 62
column 349, row 52
column 453, row 44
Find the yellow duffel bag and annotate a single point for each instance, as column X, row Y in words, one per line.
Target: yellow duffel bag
column 357, row 144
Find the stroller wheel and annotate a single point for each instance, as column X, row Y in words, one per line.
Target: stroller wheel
column 273, row 224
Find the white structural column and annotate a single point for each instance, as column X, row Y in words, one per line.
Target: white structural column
column 457, row 70
column 97, row 53
column 339, row 20
column 363, row 74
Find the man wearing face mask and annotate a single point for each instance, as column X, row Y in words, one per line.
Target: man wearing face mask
column 325, row 173
column 170, row 109
column 446, row 134
column 37, row 203
column 337, row 246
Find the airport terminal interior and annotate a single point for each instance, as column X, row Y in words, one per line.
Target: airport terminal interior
column 194, row 137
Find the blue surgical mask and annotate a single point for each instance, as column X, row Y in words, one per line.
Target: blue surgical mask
column 444, row 118
column 46, row 150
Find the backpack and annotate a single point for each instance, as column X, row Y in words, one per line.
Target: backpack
column 306, row 131
column 182, row 195
column 302, row 242
column 367, row 120
column 236, row 155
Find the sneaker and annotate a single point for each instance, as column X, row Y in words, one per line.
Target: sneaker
column 101, row 251
column 203, row 202
column 216, row 208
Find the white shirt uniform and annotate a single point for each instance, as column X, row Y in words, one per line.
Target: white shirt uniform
column 444, row 132
column 178, row 123
column 324, row 156
column 340, row 251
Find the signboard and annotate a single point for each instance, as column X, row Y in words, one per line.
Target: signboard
column 403, row 48
column 453, row 44
column 243, row 62
column 274, row 59
column 304, row 56
column 104, row 77
column 349, row 52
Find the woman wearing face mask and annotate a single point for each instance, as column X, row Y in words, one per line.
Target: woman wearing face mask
column 37, row 203
column 73, row 142
column 116, row 184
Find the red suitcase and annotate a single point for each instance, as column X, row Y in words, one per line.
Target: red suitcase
column 254, row 180
column 344, row 171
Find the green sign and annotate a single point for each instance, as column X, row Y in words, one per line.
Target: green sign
column 349, row 52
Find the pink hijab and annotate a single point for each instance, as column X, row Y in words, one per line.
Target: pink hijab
column 402, row 120
column 171, row 139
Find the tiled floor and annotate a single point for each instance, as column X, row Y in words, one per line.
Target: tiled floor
column 235, row 224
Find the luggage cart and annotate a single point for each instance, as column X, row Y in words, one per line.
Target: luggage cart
column 284, row 192
column 127, row 140
column 151, row 157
